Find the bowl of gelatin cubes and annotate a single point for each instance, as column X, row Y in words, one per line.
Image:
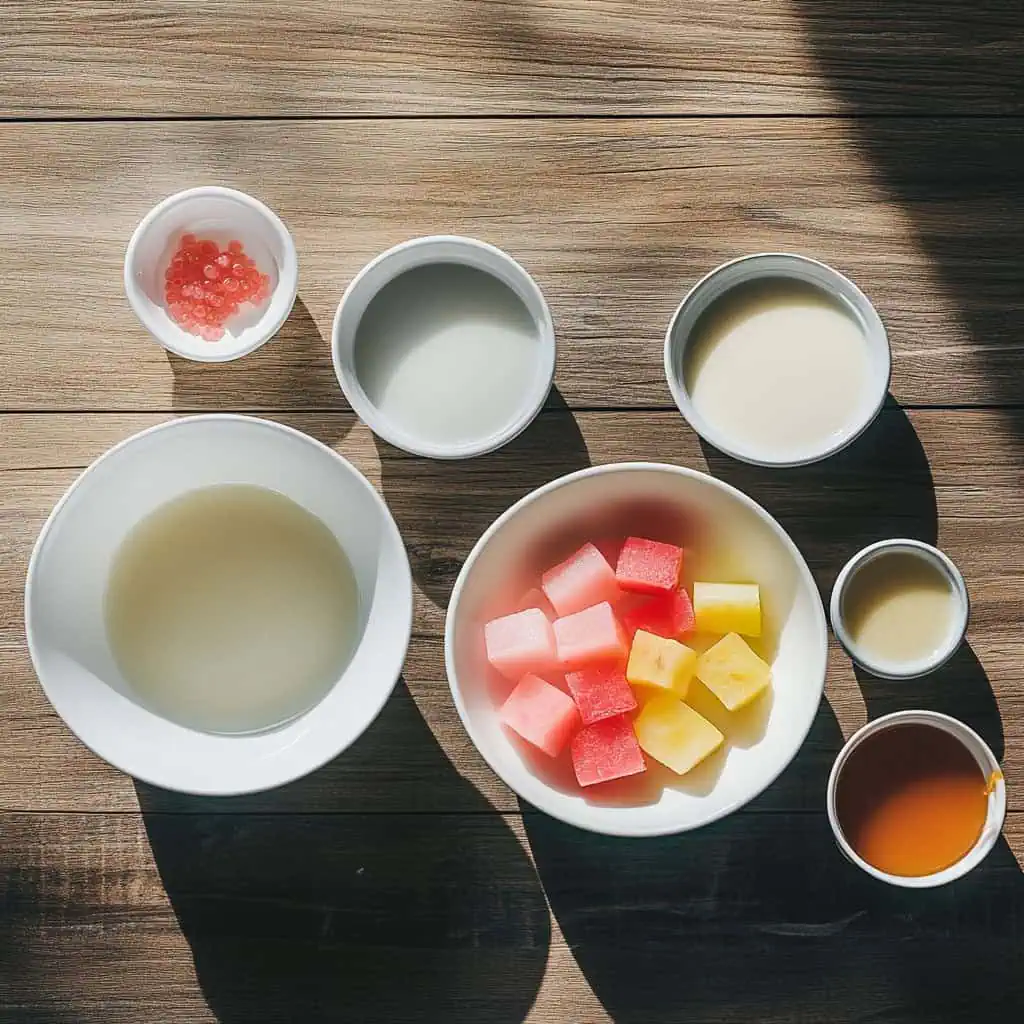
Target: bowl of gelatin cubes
column 211, row 273
column 636, row 649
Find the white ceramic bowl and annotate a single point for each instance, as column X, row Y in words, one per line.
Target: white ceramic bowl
column 68, row 573
column 759, row 267
column 989, row 768
column 728, row 537
column 958, row 592
column 220, row 214
column 432, row 250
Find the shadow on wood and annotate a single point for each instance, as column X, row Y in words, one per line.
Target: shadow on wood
column 759, row 917
column 291, row 371
column 368, row 917
column 960, row 689
column 879, row 487
column 442, row 508
column 961, row 182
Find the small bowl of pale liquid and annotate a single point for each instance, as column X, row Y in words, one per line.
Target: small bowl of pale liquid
column 219, row 605
column 777, row 360
column 900, row 608
column 445, row 347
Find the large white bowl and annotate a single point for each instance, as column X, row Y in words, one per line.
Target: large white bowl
column 728, row 537
column 68, row 572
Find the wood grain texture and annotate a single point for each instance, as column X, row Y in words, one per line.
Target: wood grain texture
column 951, row 477
column 245, row 57
column 615, row 218
column 257, row 919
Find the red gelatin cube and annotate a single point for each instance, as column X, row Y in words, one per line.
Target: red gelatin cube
column 590, row 637
column 521, row 643
column 649, row 566
column 541, row 713
column 667, row 615
column 600, row 693
column 584, row 579
column 606, row 750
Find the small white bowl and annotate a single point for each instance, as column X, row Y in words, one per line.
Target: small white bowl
column 67, row 578
column 759, row 267
column 419, row 252
column 220, row 214
column 989, row 769
column 728, row 536
column 958, row 588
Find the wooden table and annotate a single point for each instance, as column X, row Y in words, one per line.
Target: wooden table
column 618, row 149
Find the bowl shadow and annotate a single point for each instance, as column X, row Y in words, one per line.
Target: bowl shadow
column 759, row 917
column 960, row 689
column 880, row 486
column 331, row 900
column 442, row 507
column 293, row 370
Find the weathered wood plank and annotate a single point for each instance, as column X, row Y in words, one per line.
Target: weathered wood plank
column 615, row 218
column 938, row 475
column 244, row 57
column 406, row 918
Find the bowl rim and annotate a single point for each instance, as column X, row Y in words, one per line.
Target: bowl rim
column 464, row 249
column 627, row 467
column 876, row 337
column 994, row 819
column 926, row 552
column 396, row 660
column 287, row 282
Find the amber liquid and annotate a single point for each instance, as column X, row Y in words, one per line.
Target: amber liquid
column 911, row 800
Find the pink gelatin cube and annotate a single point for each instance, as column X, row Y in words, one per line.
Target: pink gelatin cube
column 584, row 579
column 590, row 637
column 667, row 615
column 649, row 566
column 600, row 693
column 542, row 714
column 521, row 643
column 606, row 750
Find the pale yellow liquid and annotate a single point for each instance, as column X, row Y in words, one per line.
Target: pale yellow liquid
column 899, row 609
column 231, row 609
column 779, row 367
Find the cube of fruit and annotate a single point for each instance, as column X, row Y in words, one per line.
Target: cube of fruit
column 520, row 643
column 733, row 672
column 581, row 581
column 660, row 662
column 592, row 636
column 669, row 615
column 674, row 734
column 649, row 566
column 541, row 713
column 600, row 692
column 727, row 608
column 606, row 750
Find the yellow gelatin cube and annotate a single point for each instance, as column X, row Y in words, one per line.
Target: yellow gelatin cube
column 727, row 608
column 674, row 734
column 657, row 661
column 733, row 672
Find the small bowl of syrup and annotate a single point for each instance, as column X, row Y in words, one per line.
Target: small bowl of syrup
column 916, row 799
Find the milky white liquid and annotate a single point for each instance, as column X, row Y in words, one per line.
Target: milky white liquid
column 778, row 367
column 231, row 609
column 898, row 609
column 447, row 353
